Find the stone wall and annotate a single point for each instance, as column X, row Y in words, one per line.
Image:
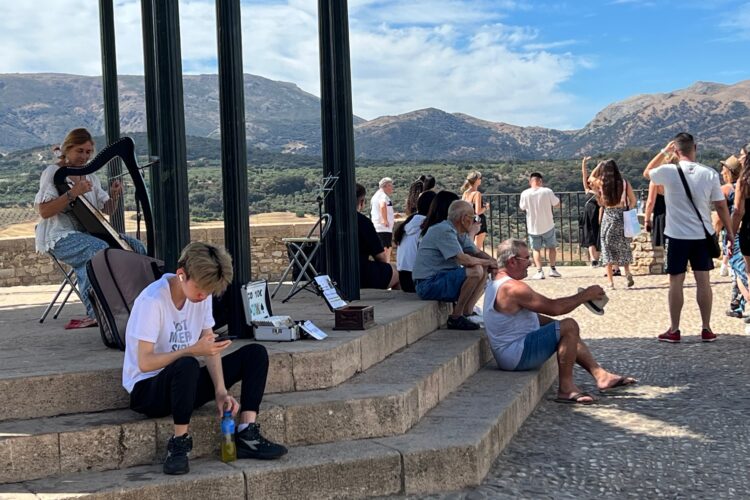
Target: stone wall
column 647, row 259
column 21, row 265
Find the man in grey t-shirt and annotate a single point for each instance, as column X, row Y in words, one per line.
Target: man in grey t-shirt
column 449, row 268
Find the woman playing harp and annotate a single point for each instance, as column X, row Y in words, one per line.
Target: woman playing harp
column 61, row 234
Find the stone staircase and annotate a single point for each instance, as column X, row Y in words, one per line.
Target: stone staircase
column 404, row 407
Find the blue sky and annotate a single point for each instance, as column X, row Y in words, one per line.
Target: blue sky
column 552, row 64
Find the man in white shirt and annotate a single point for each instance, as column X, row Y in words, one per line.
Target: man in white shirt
column 381, row 214
column 538, row 202
column 685, row 230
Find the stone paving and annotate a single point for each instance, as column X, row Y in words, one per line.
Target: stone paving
column 682, row 432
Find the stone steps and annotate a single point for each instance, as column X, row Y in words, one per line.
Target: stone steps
column 452, row 447
column 386, row 400
column 89, row 379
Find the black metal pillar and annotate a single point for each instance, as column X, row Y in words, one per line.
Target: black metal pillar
column 233, row 156
column 173, row 158
column 111, row 100
column 338, row 144
column 152, row 121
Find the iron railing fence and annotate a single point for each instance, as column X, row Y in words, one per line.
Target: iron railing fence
column 505, row 220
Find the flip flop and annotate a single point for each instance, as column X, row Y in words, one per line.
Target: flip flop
column 575, row 399
column 80, row 323
column 621, row 382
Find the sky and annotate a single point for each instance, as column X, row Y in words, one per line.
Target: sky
column 550, row 64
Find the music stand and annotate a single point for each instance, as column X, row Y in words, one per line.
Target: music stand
column 302, row 251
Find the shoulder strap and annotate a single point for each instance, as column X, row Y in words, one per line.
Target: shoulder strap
column 690, row 197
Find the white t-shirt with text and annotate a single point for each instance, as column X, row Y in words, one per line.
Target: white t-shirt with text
column 538, row 203
column 705, row 186
column 156, row 319
column 381, row 226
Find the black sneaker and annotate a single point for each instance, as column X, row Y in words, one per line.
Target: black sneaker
column 461, row 323
column 177, row 455
column 251, row 444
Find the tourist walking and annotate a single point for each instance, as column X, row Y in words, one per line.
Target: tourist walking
column 616, row 195
column 689, row 189
column 538, row 201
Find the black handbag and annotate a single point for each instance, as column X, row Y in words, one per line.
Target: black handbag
column 712, row 239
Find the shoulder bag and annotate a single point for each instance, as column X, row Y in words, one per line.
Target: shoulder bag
column 630, row 217
column 712, row 240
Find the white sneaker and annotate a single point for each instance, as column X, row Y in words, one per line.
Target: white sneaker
column 724, row 271
column 554, row 274
column 538, row 276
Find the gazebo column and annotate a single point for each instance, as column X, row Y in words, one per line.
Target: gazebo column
column 233, row 156
column 173, row 182
column 338, row 144
column 111, row 99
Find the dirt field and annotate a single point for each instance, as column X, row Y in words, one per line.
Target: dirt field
column 27, row 228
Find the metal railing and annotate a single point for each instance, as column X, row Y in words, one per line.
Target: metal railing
column 505, row 220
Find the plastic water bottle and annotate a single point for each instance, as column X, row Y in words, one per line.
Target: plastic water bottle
column 228, row 449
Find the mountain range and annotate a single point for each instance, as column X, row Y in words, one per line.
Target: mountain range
column 38, row 109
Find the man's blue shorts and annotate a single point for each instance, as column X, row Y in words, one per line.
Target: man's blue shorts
column 538, row 346
column 445, row 286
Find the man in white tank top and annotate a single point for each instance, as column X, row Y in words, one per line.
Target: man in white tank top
column 523, row 336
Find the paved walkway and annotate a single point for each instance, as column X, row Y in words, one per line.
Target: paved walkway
column 683, row 432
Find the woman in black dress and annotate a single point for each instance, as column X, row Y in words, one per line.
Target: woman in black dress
column 588, row 222
column 656, row 206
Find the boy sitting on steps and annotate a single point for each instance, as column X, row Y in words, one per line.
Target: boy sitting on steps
column 170, row 325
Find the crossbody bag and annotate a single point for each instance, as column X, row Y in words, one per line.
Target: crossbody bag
column 712, row 240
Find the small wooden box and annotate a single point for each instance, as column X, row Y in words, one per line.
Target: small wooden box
column 354, row 318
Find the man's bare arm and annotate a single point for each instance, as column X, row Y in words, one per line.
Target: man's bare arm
column 524, row 296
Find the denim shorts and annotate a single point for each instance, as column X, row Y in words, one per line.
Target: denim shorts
column 538, row 346
column 445, row 286
column 546, row 240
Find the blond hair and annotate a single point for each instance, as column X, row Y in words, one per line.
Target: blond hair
column 75, row 137
column 208, row 265
column 471, row 179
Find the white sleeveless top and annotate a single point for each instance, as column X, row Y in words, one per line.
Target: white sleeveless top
column 504, row 330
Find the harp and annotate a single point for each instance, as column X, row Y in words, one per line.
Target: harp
column 92, row 220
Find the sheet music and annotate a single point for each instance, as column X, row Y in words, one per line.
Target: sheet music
column 330, row 293
column 313, row 330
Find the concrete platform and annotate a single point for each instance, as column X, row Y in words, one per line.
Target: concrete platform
column 46, row 370
column 452, row 447
column 384, row 401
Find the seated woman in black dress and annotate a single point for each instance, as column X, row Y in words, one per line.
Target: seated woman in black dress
column 376, row 273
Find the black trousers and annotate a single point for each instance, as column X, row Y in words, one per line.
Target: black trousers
column 184, row 386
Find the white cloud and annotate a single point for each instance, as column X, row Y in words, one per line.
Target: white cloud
column 456, row 55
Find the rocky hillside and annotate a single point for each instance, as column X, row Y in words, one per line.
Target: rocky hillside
column 718, row 115
column 38, row 109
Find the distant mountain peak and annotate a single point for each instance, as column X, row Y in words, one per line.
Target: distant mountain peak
column 37, row 109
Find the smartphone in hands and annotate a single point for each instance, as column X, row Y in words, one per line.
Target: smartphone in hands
column 222, row 338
